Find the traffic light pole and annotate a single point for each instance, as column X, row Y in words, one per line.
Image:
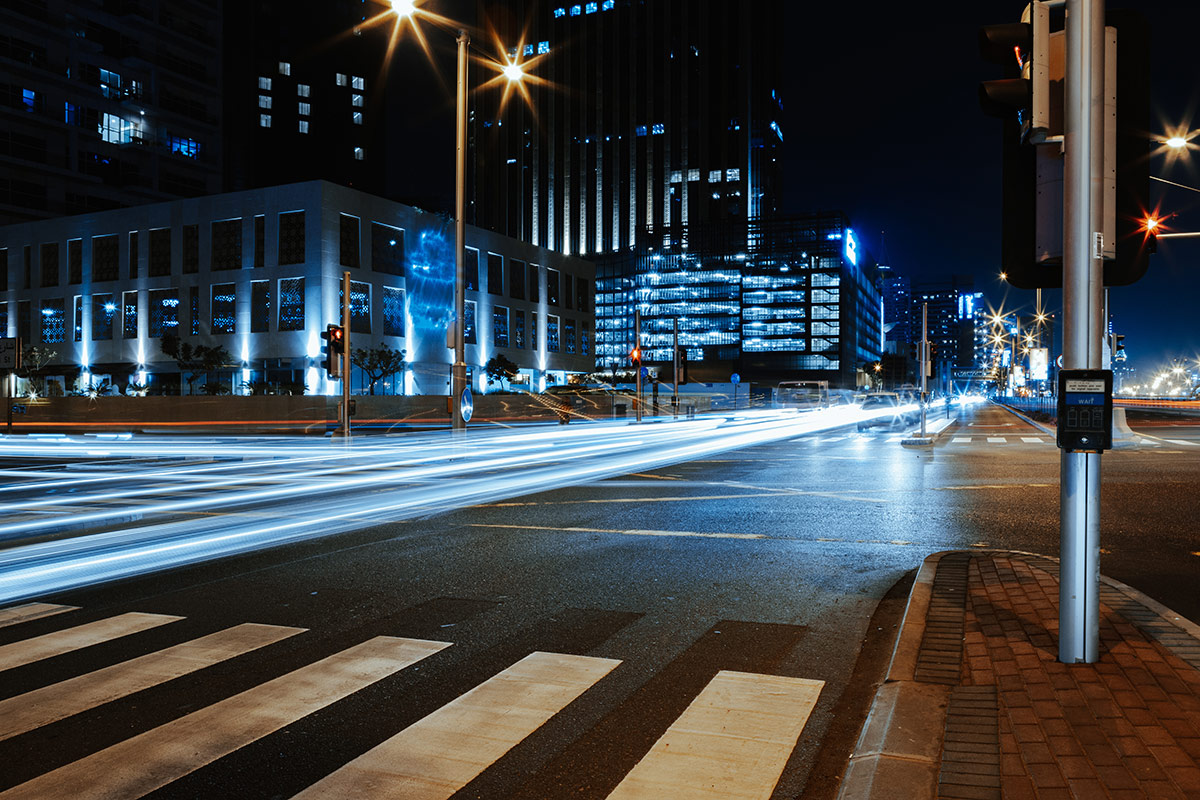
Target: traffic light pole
column 1083, row 251
column 346, row 355
column 675, row 373
column 637, row 348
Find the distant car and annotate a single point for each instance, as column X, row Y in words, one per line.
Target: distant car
column 877, row 402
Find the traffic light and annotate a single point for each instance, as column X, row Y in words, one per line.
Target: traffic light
column 1025, row 93
column 635, row 357
column 1030, row 101
column 333, row 350
column 1118, row 349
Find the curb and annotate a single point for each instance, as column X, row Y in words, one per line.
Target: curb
column 932, row 430
column 899, row 751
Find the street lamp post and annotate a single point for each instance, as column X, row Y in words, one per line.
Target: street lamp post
column 458, row 372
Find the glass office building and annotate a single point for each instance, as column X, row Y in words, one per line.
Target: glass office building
column 795, row 298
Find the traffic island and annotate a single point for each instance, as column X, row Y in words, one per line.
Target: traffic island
column 933, row 429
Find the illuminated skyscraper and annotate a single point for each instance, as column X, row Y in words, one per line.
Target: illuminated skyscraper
column 644, row 114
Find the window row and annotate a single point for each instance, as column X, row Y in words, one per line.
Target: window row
column 508, row 330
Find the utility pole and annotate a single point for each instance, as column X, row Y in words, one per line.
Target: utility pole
column 1083, row 252
column 924, row 361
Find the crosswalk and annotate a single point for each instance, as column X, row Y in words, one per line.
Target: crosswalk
column 1000, row 439
column 732, row 741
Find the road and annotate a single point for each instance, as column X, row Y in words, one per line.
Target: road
column 782, row 562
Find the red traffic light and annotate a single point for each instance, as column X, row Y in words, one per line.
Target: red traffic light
column 635, row 355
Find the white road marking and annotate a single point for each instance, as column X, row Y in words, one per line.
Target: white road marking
column 961, row 440
column 629, row 532
column 30, row 611
column 1032, row 439
column 436, row 756
column 1181, row 441
column 831, row 439
column 153, row 759
column 53, row 644
column 997, row 440
column 731, row 743
column 60, row 700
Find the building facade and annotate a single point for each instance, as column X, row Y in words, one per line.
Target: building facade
column 790, row 299
column 259, row 273
column 643, row 114
column 107, row 104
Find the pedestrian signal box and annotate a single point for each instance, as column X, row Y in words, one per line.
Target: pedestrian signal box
column 1085, row 410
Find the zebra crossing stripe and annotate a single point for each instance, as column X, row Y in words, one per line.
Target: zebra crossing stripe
column 961, row 439
column 53, row 644
column 997, row 440
column 436, row 756
column 731, row 743
column 153, row 759
column 1032, row 439
column 30, row 611
column 58, row 701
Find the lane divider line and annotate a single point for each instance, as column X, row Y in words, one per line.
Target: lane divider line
column 631, row 532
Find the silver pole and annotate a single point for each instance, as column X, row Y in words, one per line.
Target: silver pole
column 637, row 346
column 458, row 372
column 675, row 372
column 1079, row 511
column 346, row 355
column 924, row 360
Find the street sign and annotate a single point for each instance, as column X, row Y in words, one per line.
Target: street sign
column 10, row 354
column 735, row 378
column 468, row 404
column 972, row 373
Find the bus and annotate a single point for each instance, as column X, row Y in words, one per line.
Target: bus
column 803, row 395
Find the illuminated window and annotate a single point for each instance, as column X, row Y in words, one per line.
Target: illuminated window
column 576, row 11
column 264, row 120
column 569, row 335
column 129, row 315
column 224, row 308
column 285, row 68
column 110, row 83
column 341, row 79
column 302, row 89
column 264, row 84
column 499, row 326
column 552, row 334
column 356, row 83
column 658, row 128
column 54, row 321
column 356, row 100
column 641, row 130
column 305, row 109
column 543, row 48
column 393, row 311
column 164, row 312
column 264, row 101
column 693, row 174
column 528, row 49
column 592, row 8
column 291, row 304
column 469, row 322
column 260, row 306
column 734, row 174
column 184, row 147
column 560, row 12
column 608, row 5
column 677, row 176
column 304, row 126
column 110, row 128
column 358, row 154
column 104, row 313
column 358, row 118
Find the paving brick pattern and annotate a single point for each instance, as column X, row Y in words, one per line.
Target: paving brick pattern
column 1126, row 727
column 970, row 768
column 939, row 659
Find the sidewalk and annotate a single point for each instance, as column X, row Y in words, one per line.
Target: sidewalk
column 976, row 704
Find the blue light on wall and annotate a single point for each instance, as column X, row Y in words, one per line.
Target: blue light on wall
column 851, row 247
column 431, row 280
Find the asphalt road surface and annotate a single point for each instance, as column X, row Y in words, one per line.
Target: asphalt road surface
column 557, row 644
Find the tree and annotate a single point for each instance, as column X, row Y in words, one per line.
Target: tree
column 500, row 368
column 378, row 363
column 196, row 361
column 33, row 363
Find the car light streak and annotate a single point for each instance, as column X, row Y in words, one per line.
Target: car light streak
column 390, row 479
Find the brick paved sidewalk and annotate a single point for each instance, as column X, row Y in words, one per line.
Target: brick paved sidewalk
column 977, row 705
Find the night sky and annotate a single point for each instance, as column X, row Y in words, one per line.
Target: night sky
column 883, row 122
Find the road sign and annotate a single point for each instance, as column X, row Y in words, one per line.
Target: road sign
column 735, row 378
column 10, row 353
column 468, row 404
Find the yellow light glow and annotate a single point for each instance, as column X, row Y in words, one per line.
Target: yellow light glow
column 405, row 8
column 513, row 72
column 1177, row 142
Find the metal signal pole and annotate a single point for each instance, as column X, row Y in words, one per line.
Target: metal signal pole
column 1083, row 251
